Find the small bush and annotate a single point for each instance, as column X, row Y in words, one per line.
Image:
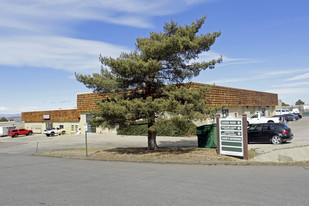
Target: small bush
column 133, row 130
column 171, row 127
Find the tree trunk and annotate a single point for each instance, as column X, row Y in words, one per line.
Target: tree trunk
column 152, row 134
column 152, row 140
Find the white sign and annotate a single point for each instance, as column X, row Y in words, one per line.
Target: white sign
column 86, row 127
column 46, row 117
column 231, row 137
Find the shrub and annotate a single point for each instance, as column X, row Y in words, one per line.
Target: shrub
column 171, row 127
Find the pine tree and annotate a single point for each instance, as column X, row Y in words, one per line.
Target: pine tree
column 3, row 119
column 148, row 83
column 299, row 102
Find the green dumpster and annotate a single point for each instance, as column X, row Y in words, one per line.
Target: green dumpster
column 207, row 136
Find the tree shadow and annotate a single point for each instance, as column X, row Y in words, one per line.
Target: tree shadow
column 166, row 148
column 181, row 143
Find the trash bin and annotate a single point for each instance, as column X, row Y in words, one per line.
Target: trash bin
column 207, row 136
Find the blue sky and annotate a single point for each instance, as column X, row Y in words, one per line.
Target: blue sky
column 264, row 44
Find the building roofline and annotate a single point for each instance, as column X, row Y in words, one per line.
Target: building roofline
column 200, row 84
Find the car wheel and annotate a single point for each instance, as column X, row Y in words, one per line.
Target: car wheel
column 270, row 121
column 30, row 133
column 52, row 134
column 47, row 135
column 276, row 140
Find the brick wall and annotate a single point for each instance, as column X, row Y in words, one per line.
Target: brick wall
column 239, row 97
column 70, row 115
column 86, row 102
column 217, row 96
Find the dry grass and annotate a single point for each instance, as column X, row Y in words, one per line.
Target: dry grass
column 169, row 154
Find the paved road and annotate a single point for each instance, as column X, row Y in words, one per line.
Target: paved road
column 32, row 180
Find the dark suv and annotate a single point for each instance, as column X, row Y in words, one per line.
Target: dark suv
column 275, row 133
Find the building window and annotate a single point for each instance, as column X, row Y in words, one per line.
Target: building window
column 49, row 125
column 263, row 111
column 225, row 113
column 61, row 126
column 72, row 127
column 76, row 127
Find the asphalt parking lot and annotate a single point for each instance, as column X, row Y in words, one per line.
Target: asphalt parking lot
column 296, row 150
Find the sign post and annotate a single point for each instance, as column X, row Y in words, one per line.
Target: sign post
column 232, row 136
column 86, row 129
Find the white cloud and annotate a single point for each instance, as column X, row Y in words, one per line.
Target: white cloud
column 37, row 14
column 189, row 2
column 299, row 77
column 296, row 84
column 288, row 91
column 7, row 110
column 2, row 109
column 31, row 31
column 291, row 95
column 207, row 56
column 222, row 81
column 273, row 72
column 74, row 55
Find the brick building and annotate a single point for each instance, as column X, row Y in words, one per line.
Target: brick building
column 236, row 103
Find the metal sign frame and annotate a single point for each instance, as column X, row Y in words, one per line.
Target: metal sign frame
column 232, row 136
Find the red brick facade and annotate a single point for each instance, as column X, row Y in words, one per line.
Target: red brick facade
column 239, row 97
column 229, row 97
column 217, row 96
column 71, row 115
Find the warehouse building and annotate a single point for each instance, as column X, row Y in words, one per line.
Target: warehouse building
column 236, row 102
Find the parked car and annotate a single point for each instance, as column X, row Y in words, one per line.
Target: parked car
column 282, row 111
column 287, row 117
column 260, row 118
column 53, row 131
column 299, row 115
column 17, row 132
column 275, row 133
column 291, row 117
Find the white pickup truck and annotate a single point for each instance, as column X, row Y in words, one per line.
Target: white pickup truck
column 260, row 118
column 53, row 131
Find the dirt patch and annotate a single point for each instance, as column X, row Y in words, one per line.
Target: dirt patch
column 170, row 154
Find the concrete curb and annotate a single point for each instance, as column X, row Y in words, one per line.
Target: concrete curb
column 285, row 155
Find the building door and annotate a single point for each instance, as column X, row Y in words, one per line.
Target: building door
column 225, row 113
column 49, row 125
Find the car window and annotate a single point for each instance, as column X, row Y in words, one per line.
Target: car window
column 251, row 128
column 258, row 128
column 269, row 127
column 254, row 116
column 285, row 126
column 22, row 130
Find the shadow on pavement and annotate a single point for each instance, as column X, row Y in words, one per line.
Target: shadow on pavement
column 181, row 143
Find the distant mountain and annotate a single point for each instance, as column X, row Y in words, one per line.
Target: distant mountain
column 10, row 115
